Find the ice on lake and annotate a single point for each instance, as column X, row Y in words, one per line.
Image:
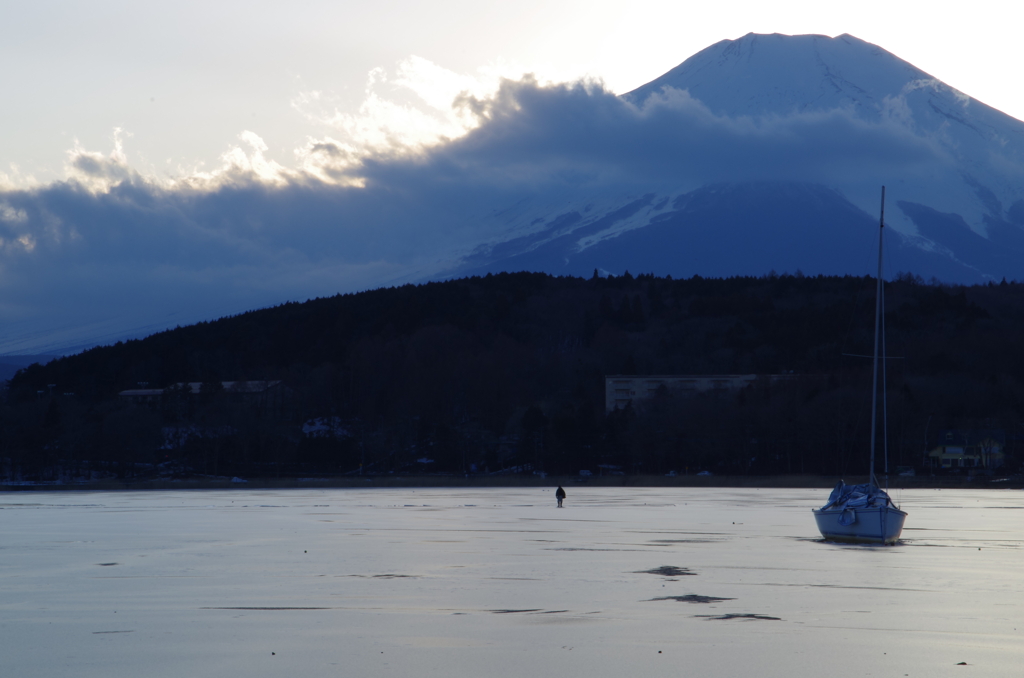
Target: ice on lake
column 500, row 582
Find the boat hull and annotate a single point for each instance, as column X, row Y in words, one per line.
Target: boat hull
column 875, row 525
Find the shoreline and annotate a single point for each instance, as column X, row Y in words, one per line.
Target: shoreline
column 389, row 481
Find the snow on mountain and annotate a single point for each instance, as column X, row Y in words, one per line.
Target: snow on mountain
column 779, row 74
column 958, row 213
column 760, row 75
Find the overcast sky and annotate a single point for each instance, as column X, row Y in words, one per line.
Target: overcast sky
column 164, row 164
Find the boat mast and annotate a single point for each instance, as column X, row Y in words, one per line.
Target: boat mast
column 874, row 370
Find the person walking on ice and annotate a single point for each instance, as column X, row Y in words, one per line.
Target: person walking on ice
column 559, row 495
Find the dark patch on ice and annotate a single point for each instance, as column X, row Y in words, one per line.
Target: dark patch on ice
column 553, row 612
column 703, row 534
column 385, row 576
column 568, row 520
column 99, row 632
column 107, row 564
column 742, row 617
column 840, row 586
column 686, row 541
column 266, row 608
column 857, row 545
column 668, row 571
column 516, row 578
column 693, row 598
column 1003, row 544
column 569, row 548
column 536, row 609
column 868, row 588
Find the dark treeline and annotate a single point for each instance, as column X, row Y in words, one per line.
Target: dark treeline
column 507, row 373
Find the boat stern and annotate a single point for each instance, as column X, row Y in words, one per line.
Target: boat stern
column 876, row 525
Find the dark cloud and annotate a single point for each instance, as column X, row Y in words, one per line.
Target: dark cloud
column 114, row 250
column 328, row 149
column 579, row 130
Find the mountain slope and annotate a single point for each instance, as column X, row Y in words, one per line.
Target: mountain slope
column 958, row 210
column 721, row 231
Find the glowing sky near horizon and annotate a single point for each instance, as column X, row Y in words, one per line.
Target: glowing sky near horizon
column 183, row 81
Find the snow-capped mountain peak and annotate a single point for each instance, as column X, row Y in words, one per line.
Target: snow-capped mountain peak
column 779, row 74
column 778, row 126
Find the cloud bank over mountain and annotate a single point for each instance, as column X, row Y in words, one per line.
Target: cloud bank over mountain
column 111, row 251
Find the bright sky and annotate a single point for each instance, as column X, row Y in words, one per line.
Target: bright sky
column 183, row 80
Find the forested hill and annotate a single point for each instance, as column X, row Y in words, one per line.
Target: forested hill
column 507, row 371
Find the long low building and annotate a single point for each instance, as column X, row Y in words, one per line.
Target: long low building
column 264, row 393
column 622, row 389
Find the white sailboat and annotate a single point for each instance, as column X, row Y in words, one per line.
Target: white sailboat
column 865, row 513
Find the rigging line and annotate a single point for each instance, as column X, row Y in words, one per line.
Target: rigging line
column 874, row 367
column 887, row 264
column 901, row 337
column 868, row 259
column 885, row 408
column 907, row 289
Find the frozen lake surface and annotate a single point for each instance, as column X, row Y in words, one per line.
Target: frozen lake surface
column 499, row 582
